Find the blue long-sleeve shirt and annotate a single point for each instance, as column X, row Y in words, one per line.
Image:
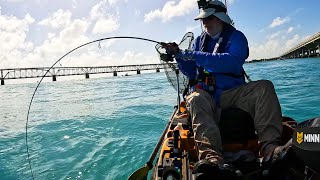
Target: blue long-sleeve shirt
column 219, row 64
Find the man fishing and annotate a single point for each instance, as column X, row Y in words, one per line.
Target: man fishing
column 214, row 68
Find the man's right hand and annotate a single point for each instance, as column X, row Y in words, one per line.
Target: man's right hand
column 171, row 48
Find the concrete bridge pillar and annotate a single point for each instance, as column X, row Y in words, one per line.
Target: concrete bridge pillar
column 318, row 49
column 115, row 73
column 157, row 70
column 2, row 78
column 54, row 77
column 309, row 52
column 87, row 75
column 138, row 71
column 313, row 52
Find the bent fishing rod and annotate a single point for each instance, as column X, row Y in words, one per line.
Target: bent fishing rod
column 85, row 44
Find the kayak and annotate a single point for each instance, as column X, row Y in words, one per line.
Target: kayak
column 178, row 153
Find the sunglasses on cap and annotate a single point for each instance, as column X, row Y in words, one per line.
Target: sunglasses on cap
column 203, row 4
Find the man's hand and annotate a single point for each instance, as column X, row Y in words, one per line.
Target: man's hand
column 171, row 48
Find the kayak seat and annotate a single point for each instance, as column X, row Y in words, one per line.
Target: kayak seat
column 237, row 131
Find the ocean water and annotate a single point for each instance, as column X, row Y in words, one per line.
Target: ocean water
column 106, row 128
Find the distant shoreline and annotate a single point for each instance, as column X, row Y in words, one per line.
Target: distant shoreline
column 275, row 59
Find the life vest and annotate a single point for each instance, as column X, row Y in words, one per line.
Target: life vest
column 202, row 74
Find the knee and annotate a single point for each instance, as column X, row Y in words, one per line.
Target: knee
column 265, row 85
column 199, row 97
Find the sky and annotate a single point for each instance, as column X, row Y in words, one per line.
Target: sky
column 36, row 33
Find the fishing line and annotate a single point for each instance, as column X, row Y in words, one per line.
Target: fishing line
column 99, row 40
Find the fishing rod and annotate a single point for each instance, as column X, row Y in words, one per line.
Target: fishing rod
column 226, row 3
column 85, row 44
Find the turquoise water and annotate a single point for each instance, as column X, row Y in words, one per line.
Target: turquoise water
column 106, row 128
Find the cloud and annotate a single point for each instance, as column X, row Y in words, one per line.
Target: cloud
column 53, row 48
column 70, row 37
column 106, row 22
column 58, row 19
column 97, row 10
column 274, row 35
column 268, row 49
column 290, row 29
column 74, row 4
column 14, row 1
column 132, row 57
column 105, row 26
column 293, row 42
column 171, row 10
column 103, row 9
column 273, row 47
column 137, row 12
column 51, row 35
column 67, row 34
column 279, row 21
column 13, row 24
column 114, row 2
column 13, row 33
column 108, row 43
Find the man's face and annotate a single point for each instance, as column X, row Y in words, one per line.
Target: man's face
column 211, row 25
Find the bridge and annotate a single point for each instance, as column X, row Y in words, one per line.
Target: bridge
column 38, row 72
column 307, row 48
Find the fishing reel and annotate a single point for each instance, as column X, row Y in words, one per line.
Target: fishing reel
column 167, row 54
column 167, row 57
